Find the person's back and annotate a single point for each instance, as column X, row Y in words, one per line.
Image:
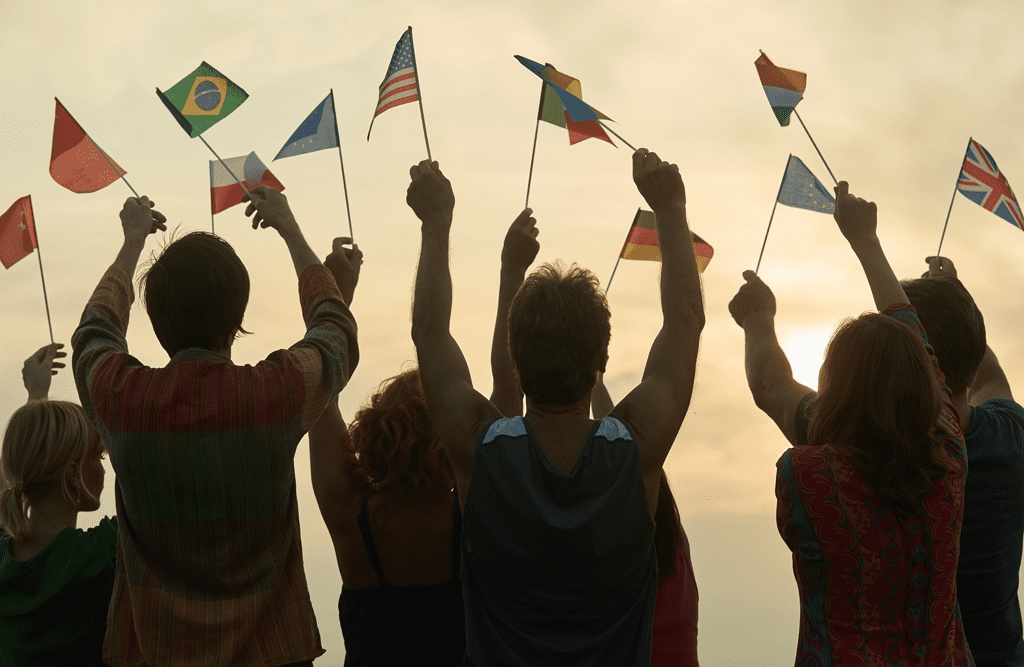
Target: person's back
column 210, row 567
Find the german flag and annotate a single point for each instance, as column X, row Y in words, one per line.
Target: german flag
column 642, row 242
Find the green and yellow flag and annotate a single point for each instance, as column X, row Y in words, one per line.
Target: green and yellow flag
column 201, row 99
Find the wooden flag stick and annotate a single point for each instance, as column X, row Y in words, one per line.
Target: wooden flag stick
column 617, row 135
column 344, row 184
column 938, row 252
column 240, row 183
column 815, row 146
column 419, row 94
column 770, row 218
column 39, row 255
column 213, row 230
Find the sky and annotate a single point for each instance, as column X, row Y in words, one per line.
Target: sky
column 894, row 92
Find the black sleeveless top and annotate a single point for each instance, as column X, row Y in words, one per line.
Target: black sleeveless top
column 396, row 625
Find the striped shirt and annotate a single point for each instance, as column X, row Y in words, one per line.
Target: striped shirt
column 209, row 565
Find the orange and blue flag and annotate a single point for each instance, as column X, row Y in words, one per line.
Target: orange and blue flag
column 981, row 181
column 784, row 87
column 577, row 109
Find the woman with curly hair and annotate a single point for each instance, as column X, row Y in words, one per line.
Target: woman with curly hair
column 384, row 486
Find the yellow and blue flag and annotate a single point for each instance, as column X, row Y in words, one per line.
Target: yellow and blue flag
column 801, row 189
column 317, row 132
column 201, row 99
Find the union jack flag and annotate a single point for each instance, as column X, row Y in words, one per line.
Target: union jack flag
column 981, row 182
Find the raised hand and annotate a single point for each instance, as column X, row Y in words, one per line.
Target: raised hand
column 344, row 264
column 139, row 219
column 430, row 195
column 856, row 217
column 754, row 297
column 521, row 244
column 272, row 210
column 939, row 267
column 40, row 367
column 659, row 182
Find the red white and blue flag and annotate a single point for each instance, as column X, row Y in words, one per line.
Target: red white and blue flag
column 982, row 183
column 400, row 85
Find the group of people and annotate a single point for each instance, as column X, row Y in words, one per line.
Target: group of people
column 468, row 530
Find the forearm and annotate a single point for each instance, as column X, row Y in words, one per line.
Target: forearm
column 764, row 359
column 600, row 400
column 505, row 394
column 885, row 287
column 129, row 254
column 681, row 300
column 432, row 297
column 302, row 255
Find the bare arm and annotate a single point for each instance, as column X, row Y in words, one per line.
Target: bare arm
column 457, row 411
column 330, row 465
column 271, row 208
column 990, row 382
column 769, row 375
column 601, row 403
column 520, row 249
column 656, row 407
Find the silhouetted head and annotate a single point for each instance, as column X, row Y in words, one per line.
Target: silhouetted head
column 878, row 401
column 195, row 293
column 955, row 327
column 558, row 332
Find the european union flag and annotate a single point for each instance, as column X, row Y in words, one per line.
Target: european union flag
column 801, row 189
column 317, row 132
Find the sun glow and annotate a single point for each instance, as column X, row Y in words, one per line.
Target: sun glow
column 806, row 350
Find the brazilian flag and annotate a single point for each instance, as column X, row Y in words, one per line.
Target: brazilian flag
column 201, row 99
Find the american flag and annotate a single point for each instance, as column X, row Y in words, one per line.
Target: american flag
column 981, row 182
column 400, row 84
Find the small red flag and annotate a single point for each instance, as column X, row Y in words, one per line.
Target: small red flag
column 75, row 161
column 17, row 232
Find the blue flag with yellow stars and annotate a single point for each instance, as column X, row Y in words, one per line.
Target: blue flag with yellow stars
column 800, row 188
column 317, row 132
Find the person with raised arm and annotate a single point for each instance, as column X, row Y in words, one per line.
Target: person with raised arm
column 209, row 560
column 559, row 565
column 872, row 505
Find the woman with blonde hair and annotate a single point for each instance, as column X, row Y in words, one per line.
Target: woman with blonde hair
column 55, row 578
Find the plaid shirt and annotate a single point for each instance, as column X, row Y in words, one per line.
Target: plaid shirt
column 209, row 562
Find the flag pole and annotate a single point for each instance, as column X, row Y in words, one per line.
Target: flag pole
column 946, row 224
column 242, row 185
column 536, row 131
column 608, row 286
column 815, row 146
column 113, row 166
column 39, row 256
column 213, row 230
column 624, row 243
column 337, row 135
column 617, row 135
column 771, row 217
column 419, row 95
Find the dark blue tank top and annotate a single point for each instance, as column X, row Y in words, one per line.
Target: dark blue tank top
column 403, row 625
column 558, row 569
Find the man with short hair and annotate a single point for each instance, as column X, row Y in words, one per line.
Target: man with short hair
column 559, row 565
column 993, row 425
column 209, row 564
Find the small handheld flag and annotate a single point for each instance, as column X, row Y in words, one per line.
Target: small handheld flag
column 202, row 99
column 317, row 132
column 800, row 189
column 225, row 192
column 76, row 162
column 18, row 239
column 553, row 111
column 401, row 83
column 642, row 244
column 981, row 181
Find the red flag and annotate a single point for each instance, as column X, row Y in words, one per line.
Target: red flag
column 17, row 232
column 75, row 161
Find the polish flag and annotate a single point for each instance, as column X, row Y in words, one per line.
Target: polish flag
column 225, row 191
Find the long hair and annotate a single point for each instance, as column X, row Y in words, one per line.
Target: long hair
column 668, row 530
column 395, row 443
column 878, row 400
column 42, row 439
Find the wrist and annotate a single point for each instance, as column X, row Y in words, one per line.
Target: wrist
column 435, row 221
column 37, row 396
column 759, row 321
column 513, row 272
column 675, row 208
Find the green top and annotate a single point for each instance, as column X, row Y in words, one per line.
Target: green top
column 53, row 606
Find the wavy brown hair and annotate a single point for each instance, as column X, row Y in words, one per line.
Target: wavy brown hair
column 395, row 443
column 878, row 400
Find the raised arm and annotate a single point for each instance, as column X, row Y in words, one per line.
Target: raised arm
column 656, row 407
column 457, row 411
column 769, row 375
column 520, row 249
column 601, row 403
column 271, row 208
column 858, row 221
column 40, row 368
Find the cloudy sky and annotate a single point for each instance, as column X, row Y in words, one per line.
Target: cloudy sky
column 894, row 92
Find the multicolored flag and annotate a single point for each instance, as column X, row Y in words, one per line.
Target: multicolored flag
column 17, row 232
column 202, row 99
column 317, row 132
column 784, row 87
column 801, row 189
column 225, row 191
column 553, row 111
column 642, row 242
column 577, row 109
column 981, row 181
column 76, row 162
column 400, row 84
